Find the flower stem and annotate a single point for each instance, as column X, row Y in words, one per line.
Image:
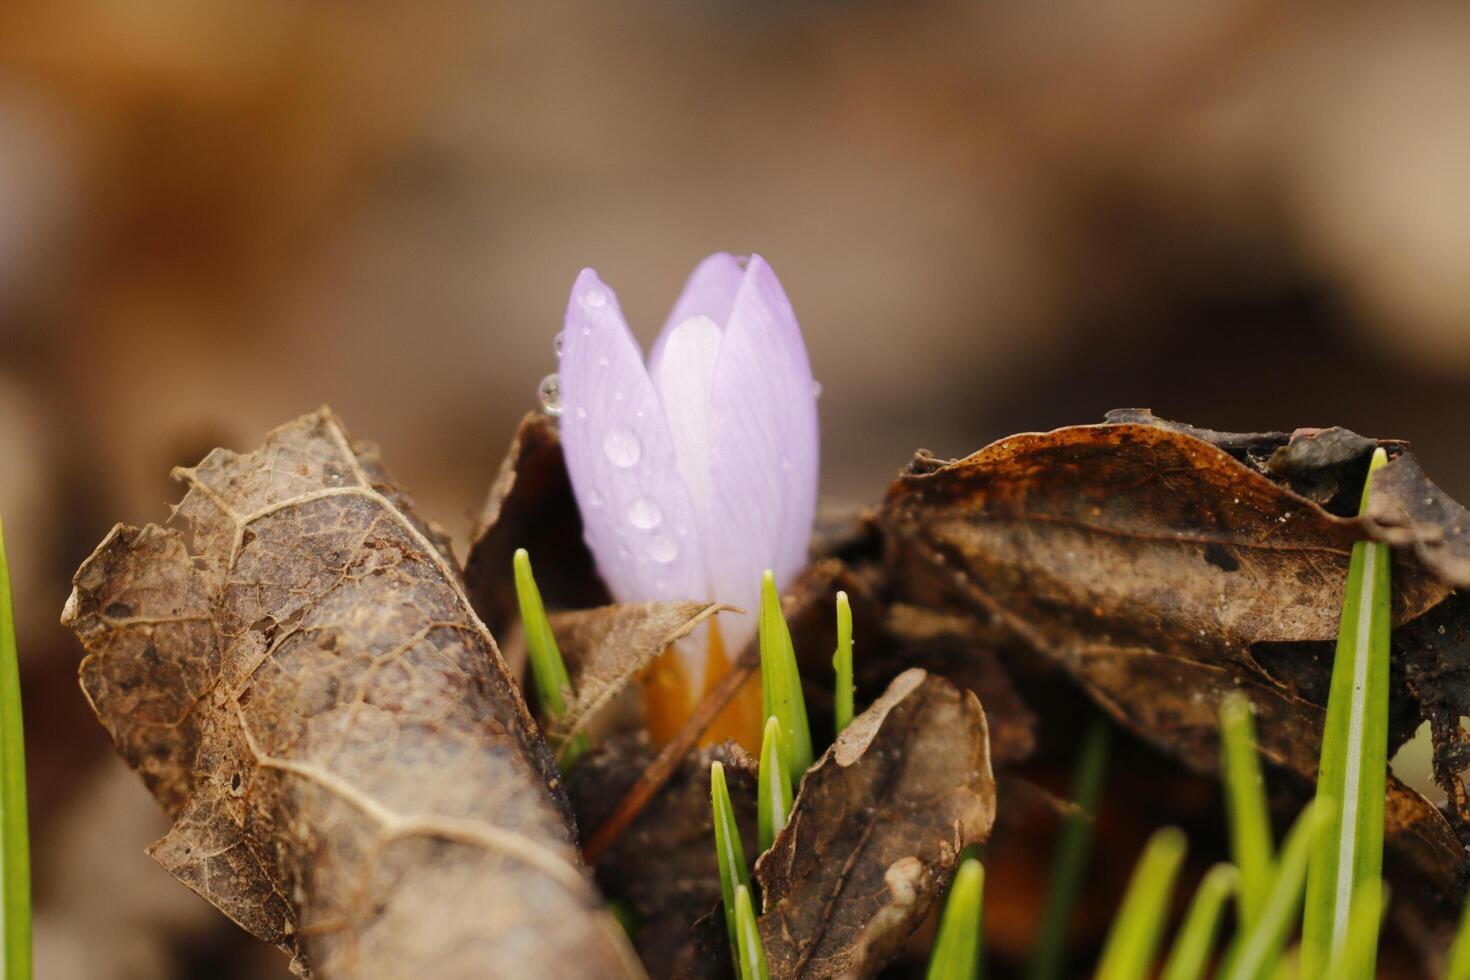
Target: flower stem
column 15, row 855
column 1354, row 764
column 1256, row 950
column 773, row 792
column 1191, row 952
column 956, row 954
column 752, row 952
column 1245, row 800
column 728, row 851
column 553, row 686
column 781, row 694
column 1134, row 938
column 842, row 663
column 1050, row 952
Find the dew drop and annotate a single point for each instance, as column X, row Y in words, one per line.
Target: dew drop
column 594, row 498
column 621, row 446
column 586, row 331
column 663, row 549
column 644, row 514
column 617, row 396
column 603, row 362
column 596, row 297
column 581, row 412
column 561, row 337
column 816, row 385
column 785, row 464
column 549, row 393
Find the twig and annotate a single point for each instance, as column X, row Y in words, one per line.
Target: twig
column 658, row 772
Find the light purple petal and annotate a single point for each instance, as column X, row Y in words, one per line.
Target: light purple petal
column 709, row 292
column 683, row 379
column 636, row 511
column 764, row 464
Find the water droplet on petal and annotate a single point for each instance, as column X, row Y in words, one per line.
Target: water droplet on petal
column 617, row 396
column 621, row 446
column 644, row 514
column 596, row 298
column 594, row 498
column 586, row 331
column 549, row 394
column 561, row 337
column 581, row 412
column 816, row 385
column 603, row 362
column 663, row 549
column 625, row 554
column 785, row 464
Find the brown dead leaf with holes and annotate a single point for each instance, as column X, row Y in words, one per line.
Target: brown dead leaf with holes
column 352, row 773
column 876, row 831
column 1162, row 565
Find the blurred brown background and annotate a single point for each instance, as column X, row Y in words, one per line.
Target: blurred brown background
column 990, row 216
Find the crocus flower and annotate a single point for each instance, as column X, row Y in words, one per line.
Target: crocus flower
column 697, row 471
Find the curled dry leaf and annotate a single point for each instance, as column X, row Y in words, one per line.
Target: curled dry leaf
column 1161, row 565
column 352, row 772
column 876, row 831
column 664, row 866
column 531, row 506
column 609, row 646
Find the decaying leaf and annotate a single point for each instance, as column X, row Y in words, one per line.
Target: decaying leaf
column 353, row 773
column 609, row 646
column 1161, row 566
column 664, row 866
column 876, row 831
column 530, row 505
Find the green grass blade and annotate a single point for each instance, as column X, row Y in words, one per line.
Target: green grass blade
column 781, row 683
column 1191, row 952
column 1354, row 763
column 729, row 853
column 1133, row 940
column 1257, row 951
column 773, row 787
column 1245, row 800
column 842, row 664
column 752, row 952
column 1458, row 962
column 15, row 851
column 1073, row 846
column 956, row 954
column 1358, row 954
column 547, row 667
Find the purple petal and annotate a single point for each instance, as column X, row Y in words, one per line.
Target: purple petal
column 636, row 511
column 683, row 379
column 764, row 464
column 709, row 292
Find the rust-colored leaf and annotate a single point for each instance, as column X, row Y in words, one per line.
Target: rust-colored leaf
column 353, row 773
column 876, row 831
column 1162, row 565
column 609, row 646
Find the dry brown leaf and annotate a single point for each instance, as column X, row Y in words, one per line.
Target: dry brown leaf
column 664, row 866
column 1161, row 566
column 530, row 505
column 353, row 774
column 607, row 647
column 876, row 831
